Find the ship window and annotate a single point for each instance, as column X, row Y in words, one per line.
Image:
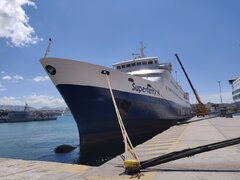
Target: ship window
column 138, row 63
column 236, row 91
column 118, row 67
column 150, row 62
column 128, row 65
column 133, row 64
column 144, row 63
column 155, row 62
column 123, row 66
column 234, row 97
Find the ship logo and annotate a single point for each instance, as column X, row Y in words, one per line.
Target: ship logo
column 50, row 69
column 149, row 89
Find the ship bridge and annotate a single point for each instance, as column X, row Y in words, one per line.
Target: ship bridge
column 147, row 68
column 141, row 63
column 137, row 64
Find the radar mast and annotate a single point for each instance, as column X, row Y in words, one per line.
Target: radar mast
column 141, row 49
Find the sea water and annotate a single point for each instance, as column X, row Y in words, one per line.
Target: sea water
column 37, row 140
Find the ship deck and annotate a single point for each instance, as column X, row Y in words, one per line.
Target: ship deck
column 219, row 164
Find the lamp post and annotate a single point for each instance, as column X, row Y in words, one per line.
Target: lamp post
column 220, row 90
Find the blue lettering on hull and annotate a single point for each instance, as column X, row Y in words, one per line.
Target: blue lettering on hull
column 147, row 90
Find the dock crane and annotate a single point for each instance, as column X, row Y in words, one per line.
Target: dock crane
column 201, row 109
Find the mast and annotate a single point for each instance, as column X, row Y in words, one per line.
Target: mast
column 141, row 49
column 26, row 107
column 48, row 48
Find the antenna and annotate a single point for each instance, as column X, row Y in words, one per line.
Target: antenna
column 142, row 47
column 135, row 55
column 26, row 107
column 48, row 48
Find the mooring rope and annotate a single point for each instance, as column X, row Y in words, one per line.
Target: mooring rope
column 127, row 143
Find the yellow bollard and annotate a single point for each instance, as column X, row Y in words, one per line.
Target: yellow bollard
column 132, row 166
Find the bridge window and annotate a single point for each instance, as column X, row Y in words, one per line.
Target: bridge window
column 133, row 64
column 150, row 62
column 144, row 63
column 138, row 63
column 123, row 66
column 118, row 67
column 128, row 65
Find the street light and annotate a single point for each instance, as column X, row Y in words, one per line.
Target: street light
column 220, row 91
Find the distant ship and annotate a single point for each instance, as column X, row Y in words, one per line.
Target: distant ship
column 148, row 98
column 236, row 91
column 25, row 116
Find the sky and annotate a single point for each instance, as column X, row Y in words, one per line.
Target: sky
column 205, row 34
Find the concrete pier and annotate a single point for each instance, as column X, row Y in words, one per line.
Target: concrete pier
column 219, row 164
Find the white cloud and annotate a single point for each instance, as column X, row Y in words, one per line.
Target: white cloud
column 34, row 100
column 14, row 23
column 18, row 77
column 41, row 78
column 214, row 98
column 2, row 88
column 2, row 72
column 6, row 77
column 44, row 100
column 10, row 101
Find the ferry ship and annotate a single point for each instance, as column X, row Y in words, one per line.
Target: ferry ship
column 236, row 91
column 147, row 96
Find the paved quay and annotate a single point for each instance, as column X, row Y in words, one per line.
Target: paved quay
column 15, row 169
column 218, row 164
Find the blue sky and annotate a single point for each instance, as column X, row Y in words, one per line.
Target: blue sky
column 205, row 34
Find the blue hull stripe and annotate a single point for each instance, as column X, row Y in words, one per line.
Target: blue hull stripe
column 94, row 113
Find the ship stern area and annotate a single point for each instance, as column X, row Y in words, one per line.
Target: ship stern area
column 99, row 131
